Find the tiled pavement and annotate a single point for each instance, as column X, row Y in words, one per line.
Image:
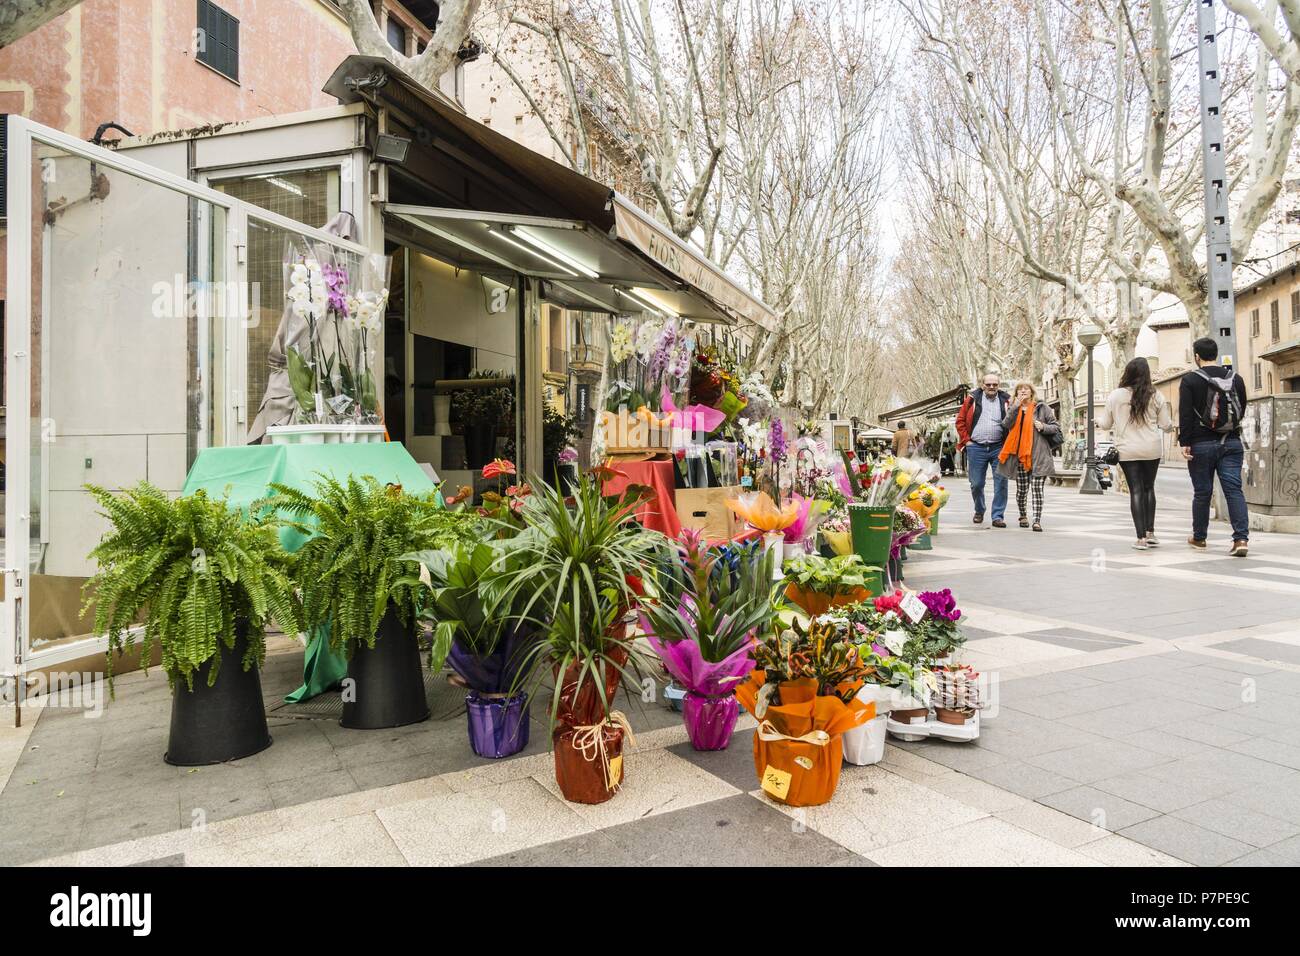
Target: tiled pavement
column 1148, row 714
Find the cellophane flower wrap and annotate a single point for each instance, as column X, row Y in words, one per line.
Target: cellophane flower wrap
column 810, row 513
column 758, row 510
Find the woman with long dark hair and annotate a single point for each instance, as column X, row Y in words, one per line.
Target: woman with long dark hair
column 1137, row 415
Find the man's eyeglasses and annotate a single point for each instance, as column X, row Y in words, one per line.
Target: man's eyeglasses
column 992, row 385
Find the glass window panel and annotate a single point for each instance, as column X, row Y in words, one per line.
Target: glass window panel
column 125, row 325
column 309, row 196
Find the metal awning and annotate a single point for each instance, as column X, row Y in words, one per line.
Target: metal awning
column 583, row 268
column 658, row 244
column 580, row 214
column 945, row 403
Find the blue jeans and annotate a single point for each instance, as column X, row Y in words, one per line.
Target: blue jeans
column 1224, row 459
column 978, row 459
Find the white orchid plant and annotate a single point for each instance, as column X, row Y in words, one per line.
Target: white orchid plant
column 332, row 382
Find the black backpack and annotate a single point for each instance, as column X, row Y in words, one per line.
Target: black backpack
column 1221, row 412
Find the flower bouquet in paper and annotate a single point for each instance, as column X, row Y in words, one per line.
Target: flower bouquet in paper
column 804, row 696
column 809, row 514
column 759, row 511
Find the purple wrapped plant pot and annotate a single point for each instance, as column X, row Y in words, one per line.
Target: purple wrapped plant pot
column 710, row 720
column 498, row 726
column 709, row 710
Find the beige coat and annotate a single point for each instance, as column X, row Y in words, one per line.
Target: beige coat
column 1136, row 440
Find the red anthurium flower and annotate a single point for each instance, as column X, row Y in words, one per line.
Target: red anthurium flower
column 519, row 491
column 498, row 467
column 606, row 473
column 635, row 583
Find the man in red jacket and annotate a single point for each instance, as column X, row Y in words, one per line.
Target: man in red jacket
column 979, row 431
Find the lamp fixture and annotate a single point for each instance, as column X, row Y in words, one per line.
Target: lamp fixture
column 536, row 253
column 553, row 252
column 391, row 149
column 649, row 303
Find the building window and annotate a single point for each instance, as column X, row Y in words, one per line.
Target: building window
column 396, row 35
column 217, row 39
column 1258, row 376
column 1254, row 322
column 1274, row 323
column 1295, row 306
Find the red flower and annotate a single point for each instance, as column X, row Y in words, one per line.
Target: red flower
column 606, row 473
column 519, row 491
column 498, row 467
column 635, row 583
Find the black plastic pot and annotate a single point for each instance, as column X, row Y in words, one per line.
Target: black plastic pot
column 385, row 685
column 223, row 722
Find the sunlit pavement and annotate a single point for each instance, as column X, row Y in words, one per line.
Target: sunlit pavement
column 1148, row 713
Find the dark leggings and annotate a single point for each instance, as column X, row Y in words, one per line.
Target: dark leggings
column 1141, row 478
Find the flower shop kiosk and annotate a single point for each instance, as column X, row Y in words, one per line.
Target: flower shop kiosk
column 146, row 285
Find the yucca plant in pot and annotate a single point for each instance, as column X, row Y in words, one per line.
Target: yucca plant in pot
column 201, row 583
column 575, row 572
column 475, row 633
column 709, row 607
column 358, row 580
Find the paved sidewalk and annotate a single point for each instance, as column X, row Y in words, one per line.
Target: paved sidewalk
column 1149, row 714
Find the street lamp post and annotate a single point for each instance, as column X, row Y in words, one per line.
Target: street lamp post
column 1089, row 337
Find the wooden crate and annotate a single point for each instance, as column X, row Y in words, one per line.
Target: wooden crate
column 706, row 509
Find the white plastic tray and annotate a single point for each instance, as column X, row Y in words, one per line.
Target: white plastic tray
column 933, row 727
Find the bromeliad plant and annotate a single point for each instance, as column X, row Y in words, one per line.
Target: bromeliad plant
column 196, row 570
column 356, row 562
column 712, row 598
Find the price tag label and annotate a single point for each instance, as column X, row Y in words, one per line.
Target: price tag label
column 894, row 641
column 776, row 782
column 616, row 770
column 913, row 607
column 746, row 481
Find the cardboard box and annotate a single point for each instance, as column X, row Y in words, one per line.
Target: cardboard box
column 706, row 509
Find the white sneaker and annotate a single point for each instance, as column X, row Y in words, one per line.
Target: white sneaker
column 1152, row 542
column 1139, row 546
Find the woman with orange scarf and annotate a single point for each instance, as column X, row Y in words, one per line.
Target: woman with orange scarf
column 1026, row 454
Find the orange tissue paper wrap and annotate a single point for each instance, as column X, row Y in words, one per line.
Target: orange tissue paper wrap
column 797, row 748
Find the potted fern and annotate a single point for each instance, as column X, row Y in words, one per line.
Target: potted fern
column 355, row 576
column 199, row 582
column 574, row 571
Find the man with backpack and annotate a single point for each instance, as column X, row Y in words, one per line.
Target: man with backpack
column 1211, row 403
column 980, row 433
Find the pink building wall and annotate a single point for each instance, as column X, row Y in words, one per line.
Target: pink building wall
column 133, row 62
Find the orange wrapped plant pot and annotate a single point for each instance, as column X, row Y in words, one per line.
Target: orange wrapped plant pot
column 814, row 603
column 797, row 748
column 589, row 762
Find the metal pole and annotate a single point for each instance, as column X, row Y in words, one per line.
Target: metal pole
column 1089, row 484
column 1218, row 231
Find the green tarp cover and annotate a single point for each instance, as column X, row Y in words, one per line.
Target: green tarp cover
column 246, row 474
